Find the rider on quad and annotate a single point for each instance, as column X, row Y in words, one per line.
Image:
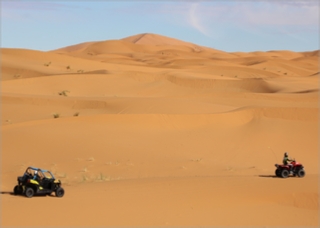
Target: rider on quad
column 287, row 161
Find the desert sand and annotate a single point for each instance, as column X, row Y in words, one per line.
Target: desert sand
column 153, row 131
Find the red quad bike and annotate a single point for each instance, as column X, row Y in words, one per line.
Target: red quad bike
column 284, row 170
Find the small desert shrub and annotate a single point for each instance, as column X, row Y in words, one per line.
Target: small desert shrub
column 64, row 93
column 84, row 178
column 68, row 67
column 47, row 64
column 56, row 115
column 101, row 177
column 76, row 114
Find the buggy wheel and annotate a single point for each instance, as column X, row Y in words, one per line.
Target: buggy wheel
column 301, row 173
column 284, row 173
column 59, row 192
column 278, row 172
column 17, row 190
column 29, row 192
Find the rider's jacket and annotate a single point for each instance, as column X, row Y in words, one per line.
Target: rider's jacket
column 286, row 160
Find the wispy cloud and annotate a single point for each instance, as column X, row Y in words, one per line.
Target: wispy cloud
column 195, row 19
column 291, row 15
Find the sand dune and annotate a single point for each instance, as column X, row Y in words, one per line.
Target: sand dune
column 153, row 131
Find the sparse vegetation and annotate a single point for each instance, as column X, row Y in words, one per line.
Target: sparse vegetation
column 56, row 115
column 64, row 93
column 230, row 168
column 47, row 64
column 84, row 178
column 76, row 114
column 102, row 177
column 68, row 67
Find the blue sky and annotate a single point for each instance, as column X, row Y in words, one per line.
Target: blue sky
column 229, row 25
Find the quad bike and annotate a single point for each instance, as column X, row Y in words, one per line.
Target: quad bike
column 285, row 170
column 38, row 182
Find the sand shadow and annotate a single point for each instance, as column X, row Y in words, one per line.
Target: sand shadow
column 268, row 176
column 21, row 195
column 6, row 192
column 11, row 193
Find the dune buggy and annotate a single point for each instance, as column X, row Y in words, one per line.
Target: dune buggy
column 285, row 170
column 37, row 181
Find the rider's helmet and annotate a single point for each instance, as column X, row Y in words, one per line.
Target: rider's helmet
column 286, row 154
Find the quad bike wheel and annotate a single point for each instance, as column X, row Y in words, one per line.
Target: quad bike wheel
column 59, row 192
column 29, row 192
column 284, row 173
column 17, row 190
column 278, row 172
column 301, row 173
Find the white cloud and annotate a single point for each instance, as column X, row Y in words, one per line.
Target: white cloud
column 198, row 21
column 195, row 20
column 289, row 16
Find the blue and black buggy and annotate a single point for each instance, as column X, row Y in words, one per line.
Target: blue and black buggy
column 37, row 181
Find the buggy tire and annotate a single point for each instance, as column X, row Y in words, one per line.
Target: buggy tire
column 278, row 172
column 284, row 173
column 59, row 192
column 29, row 192
column 301, row 173
column 17, row 190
